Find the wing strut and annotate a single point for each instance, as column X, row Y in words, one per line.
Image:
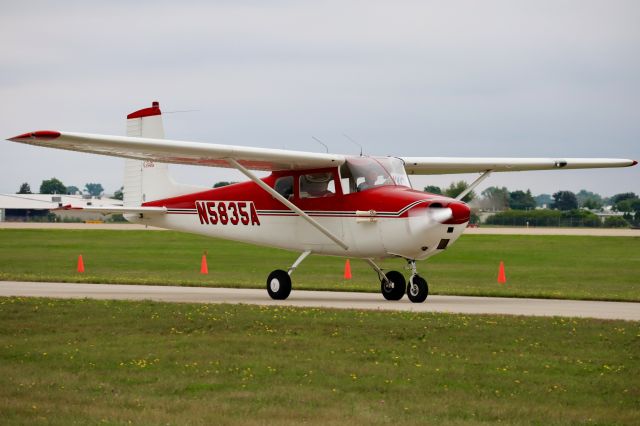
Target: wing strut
column 287, row 203
column 474, row 184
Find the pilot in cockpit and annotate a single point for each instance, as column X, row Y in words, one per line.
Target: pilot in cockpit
column 370, row 178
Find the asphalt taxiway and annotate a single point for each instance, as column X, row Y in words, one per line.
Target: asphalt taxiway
column 326, row 299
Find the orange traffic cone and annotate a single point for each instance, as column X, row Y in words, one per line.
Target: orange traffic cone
column 502, row 278
column 347, row 270
column 204, row 269
column 80, row 264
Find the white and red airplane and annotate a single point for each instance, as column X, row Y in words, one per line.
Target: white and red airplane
column 327, row 204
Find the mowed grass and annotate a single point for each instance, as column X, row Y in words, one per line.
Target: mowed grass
column 579, row 267
column 89, row 362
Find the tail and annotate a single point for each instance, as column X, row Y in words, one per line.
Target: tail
column 146, row 181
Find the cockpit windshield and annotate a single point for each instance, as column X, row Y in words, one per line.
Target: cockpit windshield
column 362, row 173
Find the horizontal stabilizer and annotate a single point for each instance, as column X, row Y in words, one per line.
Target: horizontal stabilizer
column 115, row 210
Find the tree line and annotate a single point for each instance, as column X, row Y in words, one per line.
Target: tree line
column 55, row 186
column 496, row 198
column 563, row 208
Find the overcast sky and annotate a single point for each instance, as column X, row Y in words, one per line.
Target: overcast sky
column 456, row 78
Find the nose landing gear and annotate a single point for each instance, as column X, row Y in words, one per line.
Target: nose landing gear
column 418, row 290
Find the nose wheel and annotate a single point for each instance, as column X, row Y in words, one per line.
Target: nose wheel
column 418, row 289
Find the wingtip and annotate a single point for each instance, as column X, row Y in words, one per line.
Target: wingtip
column 38, row 134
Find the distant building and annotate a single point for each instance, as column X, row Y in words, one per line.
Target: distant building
column 606, row 212
column 26, row 207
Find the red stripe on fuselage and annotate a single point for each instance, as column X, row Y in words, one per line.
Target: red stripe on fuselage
column 388, row 199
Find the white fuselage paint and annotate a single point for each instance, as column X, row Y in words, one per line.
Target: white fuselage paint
column 384, row 237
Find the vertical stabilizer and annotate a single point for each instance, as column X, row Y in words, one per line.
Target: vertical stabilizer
column 148, row 180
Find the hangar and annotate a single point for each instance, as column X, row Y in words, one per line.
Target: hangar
column 29, row 207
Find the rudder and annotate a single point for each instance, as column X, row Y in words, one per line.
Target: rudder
column 148, row 180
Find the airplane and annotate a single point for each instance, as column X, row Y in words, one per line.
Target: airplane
column 313, row 203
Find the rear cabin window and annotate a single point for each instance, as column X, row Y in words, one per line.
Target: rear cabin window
column 316, row 185
column 284, row 186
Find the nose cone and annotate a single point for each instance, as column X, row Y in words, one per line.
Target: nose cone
column 460, row 211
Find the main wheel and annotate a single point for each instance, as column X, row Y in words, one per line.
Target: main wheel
column 418, row 289
column 394, row 288
column 279, row 284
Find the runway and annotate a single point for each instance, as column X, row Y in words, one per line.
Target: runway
column 325, row 299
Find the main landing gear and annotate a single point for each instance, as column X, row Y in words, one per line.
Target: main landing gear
column 279, row 281
column 393, row 284
column 279, row 284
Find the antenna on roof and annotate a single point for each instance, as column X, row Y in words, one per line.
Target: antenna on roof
column 354, row 142
column 321, row 143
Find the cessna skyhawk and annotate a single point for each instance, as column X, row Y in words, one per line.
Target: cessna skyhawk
column 313, row 203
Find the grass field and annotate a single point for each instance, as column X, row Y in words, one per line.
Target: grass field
column 599, row 268
column 89, row 362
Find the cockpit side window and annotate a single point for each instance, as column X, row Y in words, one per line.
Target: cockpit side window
column 362, row 173
column 284, row 186
column 316, row 185
column 365, row 173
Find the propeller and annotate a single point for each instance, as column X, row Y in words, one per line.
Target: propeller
column 423, row 218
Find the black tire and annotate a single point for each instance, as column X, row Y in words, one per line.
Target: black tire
column 395, row 288
column 419, row 291
column 279, row 284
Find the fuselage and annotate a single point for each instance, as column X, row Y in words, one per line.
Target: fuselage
column 382, row 221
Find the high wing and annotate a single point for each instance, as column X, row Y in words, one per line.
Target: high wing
column 216, row 155
column 451, row 165
column 181, row 152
